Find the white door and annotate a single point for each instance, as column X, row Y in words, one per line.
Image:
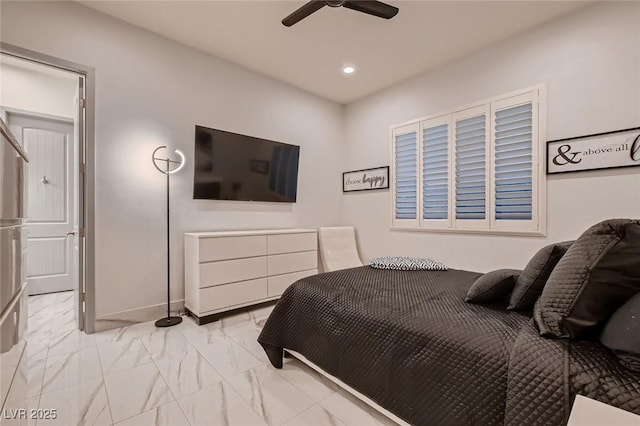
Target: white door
column 51, row 256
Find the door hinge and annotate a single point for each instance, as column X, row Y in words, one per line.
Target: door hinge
column 81, row 232
column 83, row 167
column 83, row 103
column 83, row 296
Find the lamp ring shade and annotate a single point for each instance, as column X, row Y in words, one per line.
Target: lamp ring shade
column 166, row 164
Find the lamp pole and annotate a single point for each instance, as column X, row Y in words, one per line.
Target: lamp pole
column 169, row 320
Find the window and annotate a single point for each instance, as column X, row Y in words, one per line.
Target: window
column 476, row 168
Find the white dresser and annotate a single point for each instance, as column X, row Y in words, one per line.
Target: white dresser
column 228, row 270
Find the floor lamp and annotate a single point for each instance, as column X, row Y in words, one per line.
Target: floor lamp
column 168, row 166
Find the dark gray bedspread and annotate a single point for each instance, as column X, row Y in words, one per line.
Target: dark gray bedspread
column 409, row 341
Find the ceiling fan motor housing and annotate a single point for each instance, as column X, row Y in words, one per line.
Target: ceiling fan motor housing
column 371, row 7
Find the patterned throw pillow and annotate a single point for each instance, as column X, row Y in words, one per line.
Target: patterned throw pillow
column 399, row 263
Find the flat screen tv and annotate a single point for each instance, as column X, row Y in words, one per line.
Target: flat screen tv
column 230, row 166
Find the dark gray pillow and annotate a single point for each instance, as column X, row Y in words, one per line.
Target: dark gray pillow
column 622, row 333
column 535, row 275
column 598, row 274
column 492, row 286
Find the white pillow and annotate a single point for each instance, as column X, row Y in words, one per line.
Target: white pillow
column 407, row 264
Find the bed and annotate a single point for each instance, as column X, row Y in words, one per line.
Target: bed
column 408, row 342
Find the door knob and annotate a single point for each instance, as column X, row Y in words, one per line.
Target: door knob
column 71, row 233
column 44, row 180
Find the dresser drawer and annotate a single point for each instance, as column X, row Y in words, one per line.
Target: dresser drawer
column 228, row 295
column 221, row 248
column 289, row 243
column 279, row 283
column 292, row 262
column 228, row 271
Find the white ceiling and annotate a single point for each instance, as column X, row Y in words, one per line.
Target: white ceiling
column 311, row 54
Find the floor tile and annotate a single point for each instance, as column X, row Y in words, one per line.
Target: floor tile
column 315, row 416
column 218, row 405
column 136, row 390
column 70, row 341
column 203, row 335
column 116, row 335
column 63, row 321
column 37, row 333
column 39, row 302
column 37, row 348
column 228, row 357
column 353, row 412
column 164, row 415
column 35, row 371
column 164, row 342
column 70, row 369
column 270, row 395
column 64, row 298
column 83, row 404
column 144, row 328
column 307, row 380
column 187, row 372
column 237, row 324
column 122, row 355
column 40, row 324
column 260, row 315
column 249, row 341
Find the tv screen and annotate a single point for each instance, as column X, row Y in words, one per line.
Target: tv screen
column 229, row 166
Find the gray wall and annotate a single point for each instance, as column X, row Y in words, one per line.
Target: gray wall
column 590, row 62
column 151, row 91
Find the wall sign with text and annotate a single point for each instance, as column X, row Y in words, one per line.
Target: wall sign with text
column 600, row 151
column 362, row 180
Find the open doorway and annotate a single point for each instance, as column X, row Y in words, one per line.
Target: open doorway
column 43, row 107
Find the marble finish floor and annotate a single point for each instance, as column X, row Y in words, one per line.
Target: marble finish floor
column 216, row 374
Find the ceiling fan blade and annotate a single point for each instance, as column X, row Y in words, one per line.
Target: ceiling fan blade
column 303, row 12
column 376, row 8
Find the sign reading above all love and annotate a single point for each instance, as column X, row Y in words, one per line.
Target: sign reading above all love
column 601, row 151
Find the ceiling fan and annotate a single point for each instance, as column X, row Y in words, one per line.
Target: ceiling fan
column 372, row 7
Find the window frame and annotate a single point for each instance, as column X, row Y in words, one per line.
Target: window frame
column 538, row 225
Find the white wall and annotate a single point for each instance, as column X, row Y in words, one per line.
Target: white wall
column 590, row 62
column 29, row 90
column 151, row 91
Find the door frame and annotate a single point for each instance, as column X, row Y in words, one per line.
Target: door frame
column 86, row 215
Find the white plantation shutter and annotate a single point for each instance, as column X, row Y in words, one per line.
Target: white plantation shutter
column 471, row 169
column 514, row 163
column 435, row 171
column 405, row 153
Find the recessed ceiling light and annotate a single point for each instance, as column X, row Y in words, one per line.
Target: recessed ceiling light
column 348, row 70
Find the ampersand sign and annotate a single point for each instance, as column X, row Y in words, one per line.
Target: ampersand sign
column 563, row 150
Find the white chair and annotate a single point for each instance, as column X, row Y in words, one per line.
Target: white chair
column 338, row 248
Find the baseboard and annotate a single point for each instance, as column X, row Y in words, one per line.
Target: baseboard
column 135, row 316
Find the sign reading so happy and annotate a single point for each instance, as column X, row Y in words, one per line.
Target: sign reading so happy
column 362, row 180
column 601, row 151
